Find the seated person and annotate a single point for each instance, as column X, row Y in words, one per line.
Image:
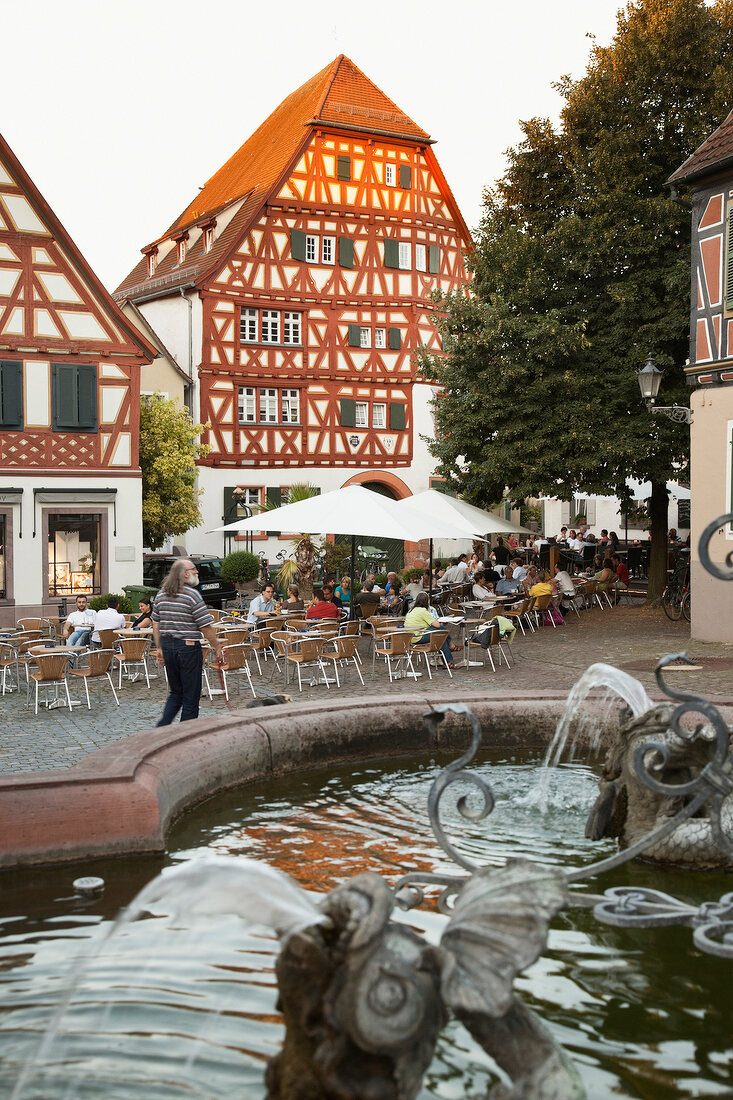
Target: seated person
column 322, row 606
column 412, row 590
column 292, row 601
column 79, row 624
column 530, row 580
column 456, row 573
column 370, row 577
column 563, row 536
column 541, row 584
column 109, row 618
column 144, row 619
column 520, row 570
column 509, row 583
column 262, row 607
column 605, row 575
column 481, row 589
column 621, row 571
column 574, row 543
column 367, row 600
column 563, row 585
column 420, row 620
column 492, row 578
column 393, row 599
column 343, row 591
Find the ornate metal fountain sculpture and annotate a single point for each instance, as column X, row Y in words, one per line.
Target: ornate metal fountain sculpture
column 364, row 997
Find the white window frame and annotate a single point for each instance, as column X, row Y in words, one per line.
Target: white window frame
column 247, row 325
column 208, row 238
column 405, row 256
column 361, row 414
column 152, row 262
column 365, row 337
column 311, row 248
column 380, row 338
column 248, row 497
column 421, row 262
column 328, row 250
column 268, row 402
column 270, row 326
column 247, row 405
column 291, row 327
column 379, row 414
column 390, row 174
column 181, row 249
column 290, row 400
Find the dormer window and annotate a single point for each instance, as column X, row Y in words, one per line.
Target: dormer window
column 152, row 257
column 181, row 249
column 208, row 238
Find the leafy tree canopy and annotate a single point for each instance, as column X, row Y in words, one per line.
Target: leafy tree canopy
column 581, row 268
column 169, row 448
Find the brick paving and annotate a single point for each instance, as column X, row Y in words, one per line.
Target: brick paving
column 550, row 660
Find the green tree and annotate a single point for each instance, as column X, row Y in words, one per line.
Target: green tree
column 581, row 268
column 169, row 448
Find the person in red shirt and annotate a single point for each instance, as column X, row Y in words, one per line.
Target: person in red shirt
column 322, row 607
column 622, row 575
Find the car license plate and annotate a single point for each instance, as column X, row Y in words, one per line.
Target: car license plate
column 207, row 587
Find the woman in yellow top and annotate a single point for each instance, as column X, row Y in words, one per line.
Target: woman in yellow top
column 543, row 587
column 419, row 619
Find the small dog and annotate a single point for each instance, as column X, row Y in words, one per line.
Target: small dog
column 268, row 701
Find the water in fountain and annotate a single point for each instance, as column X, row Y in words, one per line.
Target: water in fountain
column 587, row 726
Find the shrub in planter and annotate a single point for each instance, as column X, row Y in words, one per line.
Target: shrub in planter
column 240, row 567
column 100, row 602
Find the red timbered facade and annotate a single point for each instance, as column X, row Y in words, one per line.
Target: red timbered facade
column 307, row 265
column 69, row 413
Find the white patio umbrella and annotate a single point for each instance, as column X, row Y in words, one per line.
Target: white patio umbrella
column 354, row 511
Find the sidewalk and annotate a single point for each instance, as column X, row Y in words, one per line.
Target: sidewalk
column 632, row 638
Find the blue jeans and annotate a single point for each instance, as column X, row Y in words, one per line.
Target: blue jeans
column 444, row 649
column 80, row 636
column 183, row 663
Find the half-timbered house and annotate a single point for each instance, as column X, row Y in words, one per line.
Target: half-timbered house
column 296, row 289
column 70, row 484
column 709, row 173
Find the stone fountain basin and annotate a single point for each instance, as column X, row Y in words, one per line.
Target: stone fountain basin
column 123, row 799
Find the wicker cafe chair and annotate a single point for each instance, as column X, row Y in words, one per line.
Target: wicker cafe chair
column 51, row 673
column 32, row 624
column 234, row 663
column 344, row 650
column 522, row 611
column 432, row 647
column 261, row 642
column 590, row 592
column 494, row 642
column 94, row 665
column 8, row 662
column 395, row 646
column 302, row 651
column 131, row 654
column 541, row 605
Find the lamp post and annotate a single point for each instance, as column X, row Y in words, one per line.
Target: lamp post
column 649, row 378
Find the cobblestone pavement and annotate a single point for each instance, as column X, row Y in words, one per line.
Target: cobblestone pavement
column 548, row 660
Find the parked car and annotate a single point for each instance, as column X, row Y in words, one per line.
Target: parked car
column 214, row 590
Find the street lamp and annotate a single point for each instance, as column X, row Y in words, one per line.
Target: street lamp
column 649, row 380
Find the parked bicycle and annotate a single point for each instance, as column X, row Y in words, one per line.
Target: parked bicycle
column 676, row 596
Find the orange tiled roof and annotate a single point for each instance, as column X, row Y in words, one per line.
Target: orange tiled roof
column 339, row 95
column 715, row 153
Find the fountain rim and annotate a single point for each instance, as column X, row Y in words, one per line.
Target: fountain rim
column 123, row 799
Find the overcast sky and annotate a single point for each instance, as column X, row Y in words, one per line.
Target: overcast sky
column 120, row 112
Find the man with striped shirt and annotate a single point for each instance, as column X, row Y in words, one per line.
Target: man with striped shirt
column 180, row 617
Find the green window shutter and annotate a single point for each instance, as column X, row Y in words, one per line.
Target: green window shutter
column 297, row 244
column 230, row 504
column 344, row 168
column 346, row 252
column 394, row 339
column 391, row 253
column 274, row 497
column 729, row 263
column 433, row 259
column 397, row 416
column 348, row 413
column 11, row 395
column 87, row 396
column 405, row 177
column 354, row 336
column 64, row 387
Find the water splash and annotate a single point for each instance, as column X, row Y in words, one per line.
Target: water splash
column 618, row 684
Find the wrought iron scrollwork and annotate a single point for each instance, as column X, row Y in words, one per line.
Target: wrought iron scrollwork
column 723, row 574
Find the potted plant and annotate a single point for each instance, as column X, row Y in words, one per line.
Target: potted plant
column 239, row 567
